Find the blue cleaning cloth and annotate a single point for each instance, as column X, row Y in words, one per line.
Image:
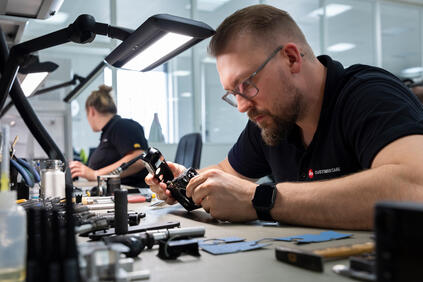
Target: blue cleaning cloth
column 313, row 238
column 220, row 249
column 228, row 245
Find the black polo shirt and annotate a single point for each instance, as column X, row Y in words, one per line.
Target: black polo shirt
column 364, row 109
column 119, row 137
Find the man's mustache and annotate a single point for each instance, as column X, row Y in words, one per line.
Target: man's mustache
column 253, row 113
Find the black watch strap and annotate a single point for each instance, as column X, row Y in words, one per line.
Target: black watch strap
column 264, row 215
column 264, row 200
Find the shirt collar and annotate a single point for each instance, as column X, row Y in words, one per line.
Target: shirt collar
column 334, row 74
column 110, row 122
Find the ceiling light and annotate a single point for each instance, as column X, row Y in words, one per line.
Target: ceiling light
column 331, row 10
column 210, row 5
column 411, row 72
column 341, row 47
column 181, row 73
column 186, row 94
column 395, row 30
column 208, row 60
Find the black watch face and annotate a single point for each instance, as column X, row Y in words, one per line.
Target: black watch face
column 264, row 196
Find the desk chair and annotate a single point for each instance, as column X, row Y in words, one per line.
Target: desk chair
column 188, row 152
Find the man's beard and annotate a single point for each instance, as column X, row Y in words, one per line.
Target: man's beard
column 281, row 123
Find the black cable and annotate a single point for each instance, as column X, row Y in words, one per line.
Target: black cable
column 126, row 165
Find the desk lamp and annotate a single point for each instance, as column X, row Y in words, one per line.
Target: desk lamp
column 77, row 79
column 84, row 30
column 33, row 74
column 134, row 45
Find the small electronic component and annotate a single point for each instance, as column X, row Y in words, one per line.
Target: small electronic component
column 157, row 166
column 178, row 189
column 362, row 267
column 138, row 242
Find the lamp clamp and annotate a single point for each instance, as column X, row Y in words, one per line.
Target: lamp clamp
column 82, row 30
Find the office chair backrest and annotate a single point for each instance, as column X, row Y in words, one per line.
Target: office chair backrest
column 188, row 152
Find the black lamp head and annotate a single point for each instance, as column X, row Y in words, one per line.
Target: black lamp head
column 33, row 65
column 33, row 73
column 181, row 32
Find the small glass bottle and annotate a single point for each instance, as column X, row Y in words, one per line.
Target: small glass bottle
column 13, row 238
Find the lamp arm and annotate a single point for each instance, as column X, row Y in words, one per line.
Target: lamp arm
column 25, row 109
column 76, row 78
column 120, row 33
column 6, row 109
column 82, row 30
column 84, row 82
column 10, row 69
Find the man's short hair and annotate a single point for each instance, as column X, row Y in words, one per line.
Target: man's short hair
column 264, row 23
column 102, row 100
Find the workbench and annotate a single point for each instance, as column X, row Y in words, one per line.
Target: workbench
column 256, row 265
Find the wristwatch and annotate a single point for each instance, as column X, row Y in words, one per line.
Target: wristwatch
column 264, row 200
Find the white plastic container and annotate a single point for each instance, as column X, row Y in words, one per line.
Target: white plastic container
column 13, row 238
column 53, row 179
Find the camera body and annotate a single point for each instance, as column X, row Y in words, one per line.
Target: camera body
column 157, row 166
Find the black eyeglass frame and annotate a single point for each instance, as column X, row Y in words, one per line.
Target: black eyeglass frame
column 249, row 81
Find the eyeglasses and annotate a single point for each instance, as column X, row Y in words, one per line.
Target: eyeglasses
column 247, row 89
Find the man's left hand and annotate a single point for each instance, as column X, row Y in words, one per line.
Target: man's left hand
column 224, row 196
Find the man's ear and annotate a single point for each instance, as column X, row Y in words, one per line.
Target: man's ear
column 294, row 56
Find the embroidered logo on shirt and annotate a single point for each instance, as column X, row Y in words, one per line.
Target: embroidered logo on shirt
column 311, row 173
column 136, row 146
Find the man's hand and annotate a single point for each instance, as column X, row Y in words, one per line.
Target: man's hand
column 79, row 169
column 160, row 188
column 223, row 195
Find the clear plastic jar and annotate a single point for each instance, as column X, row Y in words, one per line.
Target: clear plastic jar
column 13, row 238
column 52, row 179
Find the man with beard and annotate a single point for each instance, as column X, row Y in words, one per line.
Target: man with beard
column 336, row 140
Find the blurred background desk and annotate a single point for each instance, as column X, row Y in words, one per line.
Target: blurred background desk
column 256, row 265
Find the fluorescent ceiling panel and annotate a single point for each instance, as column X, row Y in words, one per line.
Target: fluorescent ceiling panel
column 410, row 72
column 341, row 47
column 331, row 10
column 210, row 5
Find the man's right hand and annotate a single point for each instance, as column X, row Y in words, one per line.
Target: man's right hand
column 160, row 188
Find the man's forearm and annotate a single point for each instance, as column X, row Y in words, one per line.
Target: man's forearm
column 346, row 202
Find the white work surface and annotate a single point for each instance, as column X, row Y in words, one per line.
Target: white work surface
column 257, row 265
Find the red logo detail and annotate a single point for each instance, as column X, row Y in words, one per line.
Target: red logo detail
column 310, row 173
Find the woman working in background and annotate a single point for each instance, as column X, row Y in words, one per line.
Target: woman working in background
column 121, row 140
